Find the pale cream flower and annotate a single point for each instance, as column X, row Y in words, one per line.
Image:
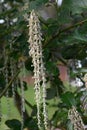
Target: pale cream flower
column 76, row 119
column 35, row 46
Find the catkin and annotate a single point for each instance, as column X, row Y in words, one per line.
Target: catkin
column 35, row 51
column 76, row 119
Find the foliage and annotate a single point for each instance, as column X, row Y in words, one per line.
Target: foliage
column 65, row 40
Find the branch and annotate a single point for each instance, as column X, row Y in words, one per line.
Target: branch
column 28, row 104
column 75, row 25
column 43, row 21
column 9, row 84
column 81, row 79
column 64, row 30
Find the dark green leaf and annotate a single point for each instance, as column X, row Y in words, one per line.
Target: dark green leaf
column 68, row 99
column 14, row 124
column 31, row 123
column 51, row 93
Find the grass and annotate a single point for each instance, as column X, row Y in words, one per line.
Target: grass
column 12, row 113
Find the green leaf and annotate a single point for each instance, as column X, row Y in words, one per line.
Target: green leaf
column 79, row 36
column 52, row 68
column 51, row 93
column 71, row 7
column 37, row 4
column 78, row 6
column 31, row 123
column 68, row 99
column 59, row 117
column 14, row 124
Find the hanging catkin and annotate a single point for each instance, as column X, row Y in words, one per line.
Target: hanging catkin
column 22, row 88
column 12, row 69
column 7, row 93
column 22, row 104
column 35, row 47
column 76, row 119
column 22, row 68
column 6, row 73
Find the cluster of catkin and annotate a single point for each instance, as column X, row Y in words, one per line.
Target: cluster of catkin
column 75, row 118
column 35, row 51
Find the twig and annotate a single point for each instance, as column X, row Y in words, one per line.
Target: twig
column 43, row 21
column 28, row 104
column 9, row 84
column 81, row 79
column 64, row 30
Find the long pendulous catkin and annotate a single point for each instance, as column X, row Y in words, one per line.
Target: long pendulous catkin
column 35, row 51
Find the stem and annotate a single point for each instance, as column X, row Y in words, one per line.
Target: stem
column 28, row 104
column 9, row 84
column 43, row 21
column 64, row 30
column 75, row 25
column 18, row 105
